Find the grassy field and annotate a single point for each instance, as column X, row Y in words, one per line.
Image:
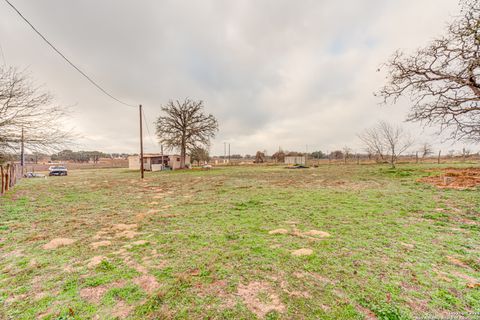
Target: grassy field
column 335, row 242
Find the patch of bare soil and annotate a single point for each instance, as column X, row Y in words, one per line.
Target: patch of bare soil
column 311, row 234
column 104, row 243
column 58, row 242
column 123, row 227
column 127, row 234
column 317, row 233
column 407, row 245
column 121, row 230
column 121, row 310
column 278, row 231
column 95, row 261
column 147, row 282
column 95, row 294
column 216, row 288
column 457, row 262
column 139, row 242
column 452, row 178
column 294, row 293
column 302, row 252
column 260, row 298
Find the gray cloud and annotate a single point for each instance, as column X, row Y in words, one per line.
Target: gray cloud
column 274, row 72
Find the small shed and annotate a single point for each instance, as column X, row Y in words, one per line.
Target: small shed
column 156, row 162
column 292, row 160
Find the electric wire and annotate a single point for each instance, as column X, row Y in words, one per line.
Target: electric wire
column 65, row 58
column 148, row 129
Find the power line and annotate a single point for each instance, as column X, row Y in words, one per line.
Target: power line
column 65, row 58
column 148, row 129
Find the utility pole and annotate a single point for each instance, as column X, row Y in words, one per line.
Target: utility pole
column 22, row 151
column 306, row 154
column 141, row 142
column 229, row 153
column 224, row 152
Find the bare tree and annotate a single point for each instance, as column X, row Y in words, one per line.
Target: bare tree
column 346, row 153
column 199, row 154
column 426, row 150
column 185, row 127
column 443, row 79
column 26, row 108
column 260, row 157
column 388, row 141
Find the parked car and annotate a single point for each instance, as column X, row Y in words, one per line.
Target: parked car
column 58, row 171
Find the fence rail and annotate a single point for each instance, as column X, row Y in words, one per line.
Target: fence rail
column 10, row 173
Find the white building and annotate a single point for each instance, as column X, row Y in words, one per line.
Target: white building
column 156, row 162
column 292, row 160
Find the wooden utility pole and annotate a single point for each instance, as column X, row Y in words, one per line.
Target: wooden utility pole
column 141, row 142
column 439, row 155
column 22, row 151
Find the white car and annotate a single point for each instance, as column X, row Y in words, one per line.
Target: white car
column 58, row 171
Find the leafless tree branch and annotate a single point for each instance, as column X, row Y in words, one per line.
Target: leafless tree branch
column 185, row 127
column 25, row 106
column 443, row 79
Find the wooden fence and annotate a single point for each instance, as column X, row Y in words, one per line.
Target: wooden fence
column 10, row 172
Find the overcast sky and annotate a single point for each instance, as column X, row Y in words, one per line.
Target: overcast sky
column 275, row 73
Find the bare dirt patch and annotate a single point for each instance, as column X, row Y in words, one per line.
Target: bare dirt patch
column 121, row 310
column 104, row 243
column 302, row 252
column 317, row 233
column 260, row 298
column 451, row 178
column 147, row 282
column 457, row 262
column 57, row 243
column 95, row 261
column 93, row 294
column 139, row 242
column 123, row 227
column 127, row 234
column 278, row 231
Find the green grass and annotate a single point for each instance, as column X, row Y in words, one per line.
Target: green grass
column 398, row 249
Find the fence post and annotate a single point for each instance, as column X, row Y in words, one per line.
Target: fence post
column 13, row 176
column 3, row 180
column 7, row 178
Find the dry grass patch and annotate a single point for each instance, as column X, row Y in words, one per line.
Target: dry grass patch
column 260, row 298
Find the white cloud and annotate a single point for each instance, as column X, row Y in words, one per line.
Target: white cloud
column 274, row 72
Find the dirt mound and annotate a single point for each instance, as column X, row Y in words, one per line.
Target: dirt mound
column 453, row 178
column 96, row 245
column 58, row 242
column 278, row 231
